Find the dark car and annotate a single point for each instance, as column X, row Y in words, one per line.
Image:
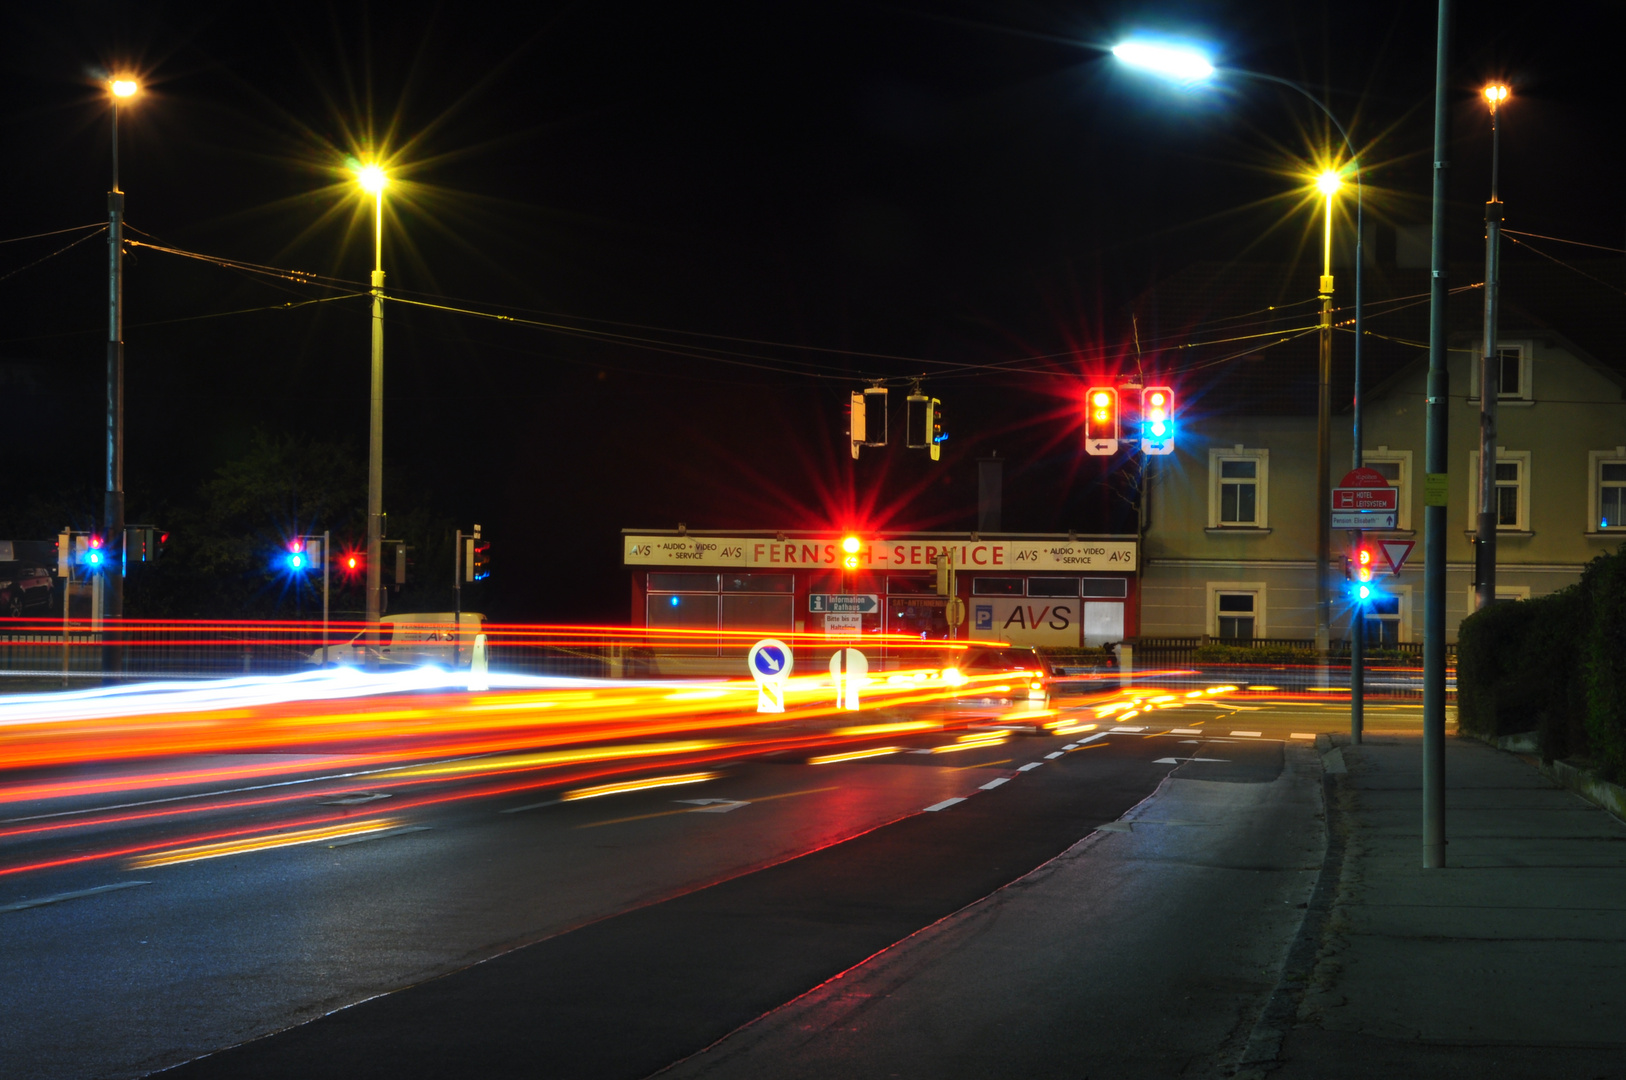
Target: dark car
column 24, row 588
column 1000, row 675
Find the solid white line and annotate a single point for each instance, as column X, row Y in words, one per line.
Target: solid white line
column 1249, row 734
column 1030, row 766
column 1053, row 755
column 23, row 905
column 379, row 835
column 992, row 784
column 944, row 805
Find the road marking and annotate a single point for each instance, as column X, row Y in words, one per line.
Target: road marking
column 378, row 835
column 992, row 784
column 1053, row 755
column 980, row 765
column 944, row 805
column 23, row 905
column 264, row 842
column 1300, row 735
column 705, row 809
column 1095, row 746
column 714, row 806
column 1185, row 731
column 1128, row 729
column 1092, row 738
column 358, row 798
column 1030, row 766
column 530, row 806
column 1249, row 734
column 1178, row 760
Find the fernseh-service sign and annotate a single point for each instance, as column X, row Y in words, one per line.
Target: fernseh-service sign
column 985, row 555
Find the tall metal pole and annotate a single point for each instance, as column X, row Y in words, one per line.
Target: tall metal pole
column 1490, row 383
column 1323, row 458
column 327, row 563
column 375, row 441
column 1436, row 483
column 1357, row 634
column 113, row 506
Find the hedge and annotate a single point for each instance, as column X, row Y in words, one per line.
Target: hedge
column 1252, row 654
column 1555, row 665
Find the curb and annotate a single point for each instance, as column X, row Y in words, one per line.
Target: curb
column 1583, row 782
column 1263, row 1050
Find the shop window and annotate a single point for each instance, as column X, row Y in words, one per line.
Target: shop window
column 758, row 611
column 758, row 583
column 1052, row 586
column 659, row 582
column 682, row 611
column 1105, row 588
column 996, row 586
column 915, row 585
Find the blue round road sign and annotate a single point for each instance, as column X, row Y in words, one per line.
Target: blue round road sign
column 769, row 661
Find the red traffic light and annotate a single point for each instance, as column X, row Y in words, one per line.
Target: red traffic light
column 850, row 546
column 1101, row 420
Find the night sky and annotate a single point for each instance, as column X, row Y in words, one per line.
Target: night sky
column 727, row 215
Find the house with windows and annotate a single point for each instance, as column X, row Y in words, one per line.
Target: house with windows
column 1229, row 521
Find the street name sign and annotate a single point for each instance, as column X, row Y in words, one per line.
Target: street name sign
column 857, row 603
column 1364, row 500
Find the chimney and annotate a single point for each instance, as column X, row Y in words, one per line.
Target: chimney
column 990, row 493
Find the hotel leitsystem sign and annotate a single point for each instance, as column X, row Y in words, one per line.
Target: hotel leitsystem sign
column 897, row 555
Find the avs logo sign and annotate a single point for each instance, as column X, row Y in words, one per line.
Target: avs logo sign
column 1027, row 621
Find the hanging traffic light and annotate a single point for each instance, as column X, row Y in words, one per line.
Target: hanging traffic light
column 924, row 427
column 478, row 552
column 1157, row 420
column 850, row 547
column 1101, row 421
column 1362, row 563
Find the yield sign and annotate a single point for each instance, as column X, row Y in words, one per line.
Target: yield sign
column 1395, row 551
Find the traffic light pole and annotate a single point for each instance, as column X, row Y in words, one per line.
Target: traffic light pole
column 327, row 563
column 1357, row 648
column 457, row 599
column 375, row 445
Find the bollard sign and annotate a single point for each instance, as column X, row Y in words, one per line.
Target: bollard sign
column 1364, row 500
column 849, row 671
column 770, row 663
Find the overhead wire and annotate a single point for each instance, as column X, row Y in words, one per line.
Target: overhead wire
column 47, row 258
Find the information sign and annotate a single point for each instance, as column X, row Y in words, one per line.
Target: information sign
column 856, row 603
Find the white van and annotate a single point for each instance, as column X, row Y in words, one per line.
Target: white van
column 410, row 640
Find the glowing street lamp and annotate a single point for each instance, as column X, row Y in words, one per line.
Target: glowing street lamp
column 1490, row 371
column 373, row 180
column 120, row 89
column 1179, row 62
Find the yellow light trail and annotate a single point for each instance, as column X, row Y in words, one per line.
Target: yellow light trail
column 199, row 852
column 854, row 755
column 645, row 784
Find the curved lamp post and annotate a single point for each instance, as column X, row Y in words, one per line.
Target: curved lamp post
column 1189, row 67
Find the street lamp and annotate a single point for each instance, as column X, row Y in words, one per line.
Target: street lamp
column 119, row 90
column 1490, row 373
column 373, row 181
column 1190, row 66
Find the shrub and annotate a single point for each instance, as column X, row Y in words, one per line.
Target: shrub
column 1494, row 692
column 1603, row 661
column 1214, row 653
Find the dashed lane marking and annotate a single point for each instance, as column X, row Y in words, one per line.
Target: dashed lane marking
column 1128, row 729
column 944, row 805
column 1053, row 755
column 995, row 782
column 1248, row 734
column 981, row 765
column 706, row 809
column 379, row 835
column 1301, row 735
column 1185, row 731
column 1030, row 766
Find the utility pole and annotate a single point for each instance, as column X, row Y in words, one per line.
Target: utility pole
column 113, row 507
column 1436, row 482
column 1323, row 460
column 1490, row 376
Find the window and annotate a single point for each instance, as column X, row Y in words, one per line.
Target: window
column 1382, row 619
column 996, row 586
column 1513, row 365
column 1238, row 493
column 1052, row 586
column 759, row 583
column 1235, row 616
column 1236, row 610
column 1395, row 465
column 916, row 585
column 682, row 582
column 1512, row 490
column 1111, row 588
column 1607, row 497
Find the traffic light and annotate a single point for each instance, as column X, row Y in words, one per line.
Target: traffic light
column 296, row 559
column 1360, row 566
column 850, row 547
column 924, row 428
column 1101, row 421
column 93, row 554
column 143, row 543
column 1157, row 420
column 352, row 565
column 477, row 558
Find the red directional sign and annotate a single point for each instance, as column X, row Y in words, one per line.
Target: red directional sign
column 1364, row 500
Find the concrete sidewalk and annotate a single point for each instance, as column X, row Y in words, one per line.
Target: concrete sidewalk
column 1511, row 962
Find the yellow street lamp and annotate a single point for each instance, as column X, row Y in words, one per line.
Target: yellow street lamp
column 1490, row 371
column 120, row 89
column 373, row 180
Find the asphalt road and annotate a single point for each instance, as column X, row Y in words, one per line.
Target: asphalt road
column 609, row 937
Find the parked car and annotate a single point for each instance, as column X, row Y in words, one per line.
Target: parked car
column 409, row 641
column 24, row 588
